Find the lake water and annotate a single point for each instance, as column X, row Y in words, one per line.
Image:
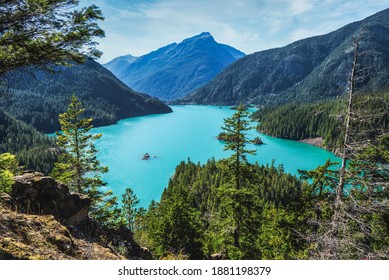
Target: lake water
column 189, row 132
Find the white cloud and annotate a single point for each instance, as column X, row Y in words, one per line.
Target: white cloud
column 300, row 6
column 138, row 27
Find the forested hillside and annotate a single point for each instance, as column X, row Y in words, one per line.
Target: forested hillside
column 33, row 149
column 324, row 119
column 234, row 209
column 195, row 216
column 37, row 98
column 307, row 70
column 278, row 214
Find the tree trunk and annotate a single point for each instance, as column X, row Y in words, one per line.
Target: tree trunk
column 346, row 153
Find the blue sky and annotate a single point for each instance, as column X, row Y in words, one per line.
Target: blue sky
column 137, row 27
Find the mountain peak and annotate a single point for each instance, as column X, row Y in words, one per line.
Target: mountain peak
column 307, row 70
column 204, row 35
column 177, row 69
column 201, row 36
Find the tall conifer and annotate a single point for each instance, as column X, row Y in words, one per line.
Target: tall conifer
column 78, row 166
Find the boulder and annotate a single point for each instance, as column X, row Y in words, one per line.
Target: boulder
column 6, row 201
column 37, row 194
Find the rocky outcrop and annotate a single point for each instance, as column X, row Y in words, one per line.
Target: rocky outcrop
column 42, row 195
column 42, row 219
column 318, row 141
column 36, row 237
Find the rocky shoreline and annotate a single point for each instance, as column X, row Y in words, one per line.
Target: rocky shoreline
column 317, row 141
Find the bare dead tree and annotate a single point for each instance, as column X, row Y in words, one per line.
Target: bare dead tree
column 346, row 148
column 361, row 193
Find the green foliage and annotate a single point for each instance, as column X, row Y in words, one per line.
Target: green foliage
column 38, row 101
column 42, row 33
column 129, row 210
column 323, row 119
column 277, row 239
column 8, row 167
column 278, row 216
column 199, row 209
column 78, row 167
column 235, row 138
column 34, row 150
column 236, row 204
column 360, row 227
column 322, row 177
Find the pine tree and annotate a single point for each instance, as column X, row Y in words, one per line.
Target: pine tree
column 129, row 210
column 236, row 198
column 235, row 136
column 78, row 166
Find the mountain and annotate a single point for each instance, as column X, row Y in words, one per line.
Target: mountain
column 39, row 97
column 175, row 70
column 321, row 123
column 117, row 64
column 312, row 69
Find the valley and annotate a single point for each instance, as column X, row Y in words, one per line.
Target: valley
column 169, row 151
column 189, row 132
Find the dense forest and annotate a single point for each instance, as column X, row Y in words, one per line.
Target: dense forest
column 278, row 214
column 34, row 150
column 38, row 97
column 323, row 119
column 233, row 209
column 195, row 215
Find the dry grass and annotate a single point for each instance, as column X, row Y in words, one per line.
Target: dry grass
column 43, row 238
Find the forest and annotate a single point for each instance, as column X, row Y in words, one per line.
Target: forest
column 37, row 97
column 233, row 209
column 224, row 209
column 323, row 119
column 33, row 149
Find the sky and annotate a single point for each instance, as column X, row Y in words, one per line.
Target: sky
column 138, row 27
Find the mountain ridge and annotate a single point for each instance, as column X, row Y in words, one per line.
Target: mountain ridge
column 39, row 100
column 174, row 70
column 295, row 72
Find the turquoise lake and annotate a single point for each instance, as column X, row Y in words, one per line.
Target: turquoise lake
column 189, row 132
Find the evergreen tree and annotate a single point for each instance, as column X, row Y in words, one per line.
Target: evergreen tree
column 129, row 210
column 43, row 33
column 236, row 199
column 235, row 136
column 8, row 167
column 78, row 166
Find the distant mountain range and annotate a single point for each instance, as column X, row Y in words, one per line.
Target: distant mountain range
column 175, row 70
column 307, row 70
column 117, row 65
column 39, row 100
